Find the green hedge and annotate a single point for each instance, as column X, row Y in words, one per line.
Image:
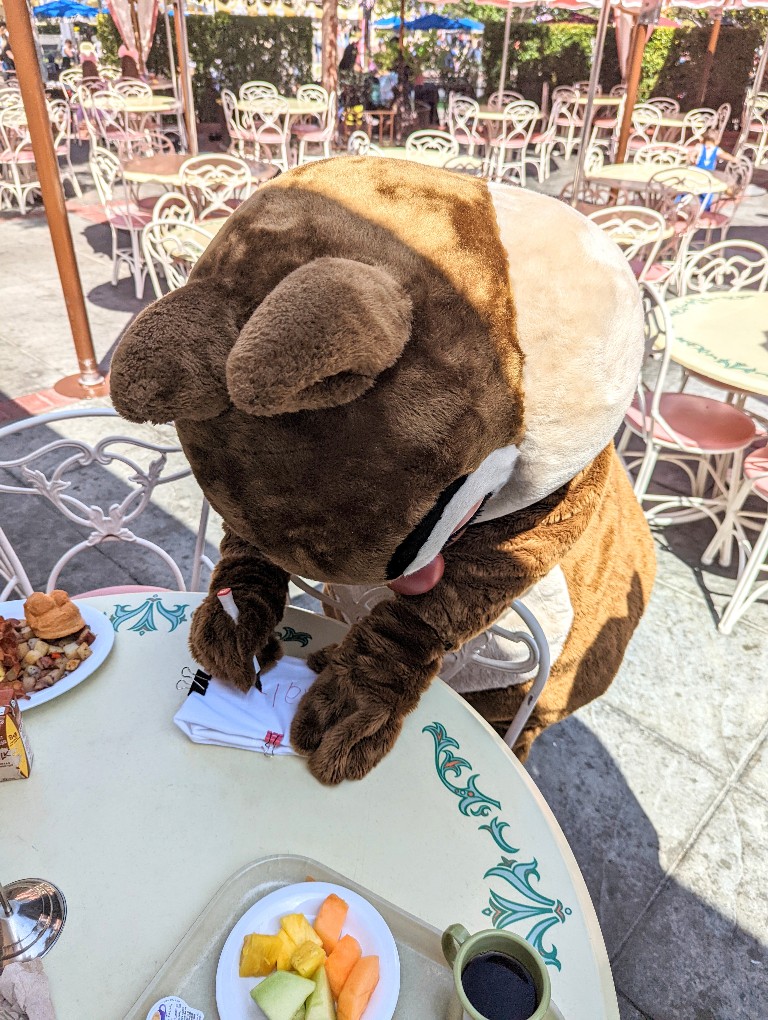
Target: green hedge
column 228, row 50
column 562, row 54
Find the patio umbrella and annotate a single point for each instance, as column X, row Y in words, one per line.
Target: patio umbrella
column 65, row 9
column 438, row 22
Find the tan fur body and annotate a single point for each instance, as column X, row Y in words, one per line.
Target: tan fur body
column 358, row 345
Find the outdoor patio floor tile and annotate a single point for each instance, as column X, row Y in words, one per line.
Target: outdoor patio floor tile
column 696, row 688
column 700, row 952
column 627, row 802
column 628, row 1012
column 755, row 777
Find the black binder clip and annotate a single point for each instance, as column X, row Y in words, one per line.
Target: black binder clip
column 196, row 682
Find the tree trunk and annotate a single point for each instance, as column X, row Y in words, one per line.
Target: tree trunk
column 330, row 32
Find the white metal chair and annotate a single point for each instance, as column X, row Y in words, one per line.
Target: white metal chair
column 509, row 147
column 320, row 136
column 239, row 124
column 359, row 144
column 721, row 210
column 19, row 181
column 122, row 215
column 543, row 143
column 499, row 99
column 272, row 129
column 252, row 91
column 108, row 121
column 661, row 154
column 753, row 140
column 441, row 143
column 172, row 246
column 569, row 119
column 727, row 265
column 723, row 114
column 100, row 486
column 755, row 482
column 667, row 106
column 695, row 125
column 463, row 114
column 703, row 437
column 131, row 87
column 215, row 183
column 490, row 649
column 60, row 113
column 638, row 231
column 645, row 126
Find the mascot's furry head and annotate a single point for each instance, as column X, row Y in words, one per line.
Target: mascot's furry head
column 373, row 354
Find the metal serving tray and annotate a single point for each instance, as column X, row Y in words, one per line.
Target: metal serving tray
column 426, row 983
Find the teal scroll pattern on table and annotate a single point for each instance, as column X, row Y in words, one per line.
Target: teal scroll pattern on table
column 146, row 616
column 300, row 636
column 528, row 904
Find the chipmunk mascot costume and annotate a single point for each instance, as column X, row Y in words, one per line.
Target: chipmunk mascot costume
column 387, row 374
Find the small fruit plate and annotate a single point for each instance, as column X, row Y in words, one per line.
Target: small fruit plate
column 364, row 923
column 191, row 972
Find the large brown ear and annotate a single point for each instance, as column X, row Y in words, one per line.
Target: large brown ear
column 171, row 361
column 319, row 339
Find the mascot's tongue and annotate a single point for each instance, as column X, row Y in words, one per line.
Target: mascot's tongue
column 421, row 580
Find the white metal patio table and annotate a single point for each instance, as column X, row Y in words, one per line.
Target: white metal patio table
column 165, row 169
column 139, row 827
column 723, row 336
column 638, row 175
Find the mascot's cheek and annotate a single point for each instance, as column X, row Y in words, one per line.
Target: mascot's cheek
column 420, row 581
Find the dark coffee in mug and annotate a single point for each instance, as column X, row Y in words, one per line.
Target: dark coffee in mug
column 499, row 987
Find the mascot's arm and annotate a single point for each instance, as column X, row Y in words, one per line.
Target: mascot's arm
column 352, row 714
column 260, row 590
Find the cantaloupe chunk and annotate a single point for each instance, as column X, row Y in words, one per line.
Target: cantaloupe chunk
column 259, row 955
column 307, row 959
column 358, row 988
column 286, row 950
column 299, row 930
column 341, row 961
column 330, row 920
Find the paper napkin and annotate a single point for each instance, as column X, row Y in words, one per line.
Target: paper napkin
column 252, row 721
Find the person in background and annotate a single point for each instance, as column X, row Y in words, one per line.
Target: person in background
column 129, row 62
column 705, row 156
column 6, row 56
column 67, row 55
column 88, row 61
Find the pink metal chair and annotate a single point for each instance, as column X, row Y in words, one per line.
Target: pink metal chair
column 703, row 437
column 463, row 115
column 719, row 215
column 509, row 147
column 123, row 216
column 318, row 136
column 638, row 231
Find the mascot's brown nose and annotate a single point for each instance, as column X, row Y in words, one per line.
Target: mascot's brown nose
column 319, row 339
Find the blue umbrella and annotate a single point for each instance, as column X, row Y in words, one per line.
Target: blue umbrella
column 391, row 22
column 430, row 22
column 64, row 9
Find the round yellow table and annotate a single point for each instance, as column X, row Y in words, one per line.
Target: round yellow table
column 296, row 107
column 139, row 827
column 638, row 175
column 140, row 104
column 165, row 169
column 722, row 336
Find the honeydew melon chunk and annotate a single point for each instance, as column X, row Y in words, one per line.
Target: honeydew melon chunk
column 320, row 1003
column 300, row 1014
column 282, row 995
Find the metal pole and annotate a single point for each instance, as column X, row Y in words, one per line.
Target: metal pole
column 185, row 74
column 760, row 73
column 633, row 81
column 330, row 52
column 594, row 81
column 401, row 29
column 134, row 6
column 709, row 56
column 90, row 382
column 7, row 910
column 505, row 49
column 171, row 55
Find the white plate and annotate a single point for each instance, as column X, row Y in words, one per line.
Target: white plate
column 233, row 993
column 100, row 649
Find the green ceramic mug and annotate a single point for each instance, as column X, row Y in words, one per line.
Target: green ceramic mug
column 459, row 947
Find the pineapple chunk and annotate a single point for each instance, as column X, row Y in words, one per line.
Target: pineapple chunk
column 308, row 959
column 299, row 930
column 286, row 950
column 259, row 955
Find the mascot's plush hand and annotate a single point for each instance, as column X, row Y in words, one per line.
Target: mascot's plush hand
column 226, row 648
column 352, row 714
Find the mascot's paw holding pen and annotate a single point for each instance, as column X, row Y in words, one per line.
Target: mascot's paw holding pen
column 225, row 648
